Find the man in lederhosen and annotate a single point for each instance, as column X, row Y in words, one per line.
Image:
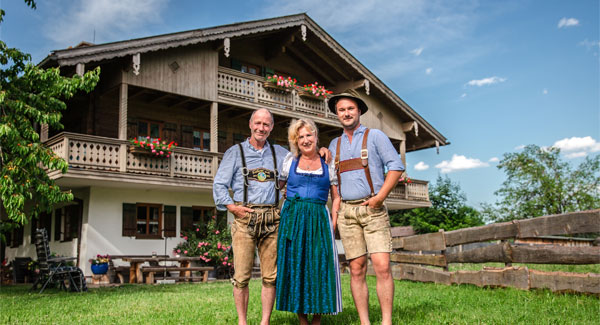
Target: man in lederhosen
column 361, row 156
column 250, row 169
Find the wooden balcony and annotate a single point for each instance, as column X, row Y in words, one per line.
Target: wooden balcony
column 244, row 89
column 93, row 158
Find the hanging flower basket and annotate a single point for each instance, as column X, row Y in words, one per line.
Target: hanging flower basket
column 279, row 84
column 313, row 91
column 309, row 95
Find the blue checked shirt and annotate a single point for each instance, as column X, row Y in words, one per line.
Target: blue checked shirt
column 381, row 155
column 229, row 175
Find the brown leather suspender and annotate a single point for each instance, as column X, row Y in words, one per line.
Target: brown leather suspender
column 354, row 164
column 268, row 175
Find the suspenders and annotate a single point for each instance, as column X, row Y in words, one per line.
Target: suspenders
column 354, row 164
column 246, row 172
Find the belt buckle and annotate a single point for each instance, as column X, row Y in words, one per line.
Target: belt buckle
column 364, row 154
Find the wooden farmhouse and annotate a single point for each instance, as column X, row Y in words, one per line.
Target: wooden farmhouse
column 197, row 88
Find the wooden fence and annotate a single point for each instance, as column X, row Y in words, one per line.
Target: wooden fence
column 413, row 252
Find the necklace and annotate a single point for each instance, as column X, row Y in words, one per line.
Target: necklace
column 309, row 163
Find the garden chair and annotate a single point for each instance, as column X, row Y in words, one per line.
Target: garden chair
column 55, row 271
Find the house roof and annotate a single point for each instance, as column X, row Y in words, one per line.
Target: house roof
column 101, row 52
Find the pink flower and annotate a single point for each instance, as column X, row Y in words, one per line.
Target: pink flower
column 185, row 252
column 226, row 258
column 205, row 254
column 197, row 229
column 153, row 151
column 208, row 259
column 228, row 264
column 161, row 152
column 219, row 245
column 217, row 232
column 184, row 237
column 224, row 263
column 199, row 245
column 179, row 251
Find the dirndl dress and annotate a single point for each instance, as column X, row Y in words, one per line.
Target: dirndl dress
column 308, row 279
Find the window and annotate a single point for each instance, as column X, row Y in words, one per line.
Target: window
column 67, row 220
column 200, row 217
column 149, row 129
column 250, row 68
column 197, row 217
column 201, row 140
column 148, row 220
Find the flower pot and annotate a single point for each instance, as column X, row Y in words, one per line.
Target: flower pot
column 144, row 152
column 100, row 268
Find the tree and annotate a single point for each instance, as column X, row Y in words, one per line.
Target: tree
column 540, row 183
column 448, row 210
column 29, row 97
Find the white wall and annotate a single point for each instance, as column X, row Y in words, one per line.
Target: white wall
column 102, row 233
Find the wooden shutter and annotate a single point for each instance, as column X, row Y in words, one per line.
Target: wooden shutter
column 57, row 224
column 187, row 218
column 132, row 128
column 170, row 221
column 170, row 132
column 129, row 219
column 187, row 136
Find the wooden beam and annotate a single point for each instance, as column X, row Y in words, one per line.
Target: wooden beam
column 136, row 92
column 181, row 102
column 494, row 231
column 428, row 259
column 277, row 48
column 561, row 224
column 341, row 87
column 324, row 57
column 427, row 242
column 159, row 98
column 306, row 63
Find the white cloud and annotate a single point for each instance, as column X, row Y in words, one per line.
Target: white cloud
column 421, row 166
column 460, row 162
column 463, row 95
column 520, row 147
column 428, row 70
column 590, row 44
column 494, row 159
column 486, row 81
column 568, row 22
column 545, row 91
column 576, row 147
column 417, row 51
column 106, row 20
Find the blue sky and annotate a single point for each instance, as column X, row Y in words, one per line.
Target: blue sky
column 491, row 76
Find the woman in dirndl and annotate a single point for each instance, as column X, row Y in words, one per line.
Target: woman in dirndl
column 308, row 279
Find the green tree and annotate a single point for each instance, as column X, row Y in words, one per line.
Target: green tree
column 448, row 210
column 540, row 183
column 29, row 97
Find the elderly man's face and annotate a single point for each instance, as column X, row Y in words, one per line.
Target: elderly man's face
column 261, row 126
column 348, row 113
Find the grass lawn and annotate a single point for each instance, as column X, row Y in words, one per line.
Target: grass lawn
column 213, row 304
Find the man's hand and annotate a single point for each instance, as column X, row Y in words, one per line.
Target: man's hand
column 238, row 210
column 374, row 203
column 326, row 154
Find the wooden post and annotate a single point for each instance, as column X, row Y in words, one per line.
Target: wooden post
column 506, row 264
column 214, row 134
column 122, row 128
column 403, row 152
column 44, row 132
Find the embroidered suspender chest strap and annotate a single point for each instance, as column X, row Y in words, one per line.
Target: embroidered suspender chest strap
column 354, row 164
column 259, row 174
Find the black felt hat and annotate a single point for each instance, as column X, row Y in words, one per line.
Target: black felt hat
column 333, row 101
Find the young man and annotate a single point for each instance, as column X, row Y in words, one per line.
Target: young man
column 361, row 155
column 250, row 170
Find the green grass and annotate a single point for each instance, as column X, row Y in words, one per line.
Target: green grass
column 419, row 303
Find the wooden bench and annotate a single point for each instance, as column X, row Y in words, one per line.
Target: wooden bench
column 187, row 272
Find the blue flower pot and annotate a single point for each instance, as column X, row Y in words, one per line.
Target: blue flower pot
column 100, row 268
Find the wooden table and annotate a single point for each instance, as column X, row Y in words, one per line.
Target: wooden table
column 135, row 265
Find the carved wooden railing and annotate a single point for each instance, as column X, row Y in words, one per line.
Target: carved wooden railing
column 246, row 87
column 416, row 190
column 88, row 152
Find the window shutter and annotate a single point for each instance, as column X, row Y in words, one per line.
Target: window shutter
column 187, row 218
column 170, row 221
column 187, row 136
column 57, row 224
column 132, row 128
column 170, row 132
column 18, row 236
column 129, row 219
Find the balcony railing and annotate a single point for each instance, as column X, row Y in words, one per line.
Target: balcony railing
column 417, row 190
column 94, row 153
column 87, row 152
column 246, row 87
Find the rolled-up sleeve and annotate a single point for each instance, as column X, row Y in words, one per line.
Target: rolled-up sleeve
column 389, row 156
column 224, row 178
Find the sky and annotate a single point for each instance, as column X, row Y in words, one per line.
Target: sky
column 491, row 76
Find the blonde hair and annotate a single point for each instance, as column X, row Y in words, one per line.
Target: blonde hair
column 294, row 129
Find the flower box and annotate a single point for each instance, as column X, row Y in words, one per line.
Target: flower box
column 143, row 152
column 275, row 88
column 309, row 95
